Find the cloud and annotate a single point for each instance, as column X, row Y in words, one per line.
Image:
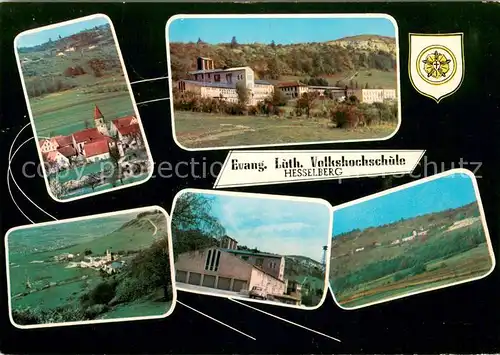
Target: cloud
column 280, row 226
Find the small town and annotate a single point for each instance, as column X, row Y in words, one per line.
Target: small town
column 119, row 143
column 109, row 263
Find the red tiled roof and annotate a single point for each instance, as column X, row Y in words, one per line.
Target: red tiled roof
column 87, row 135
column 132, row 129
column 67, row 151
column 96, row 148
column 63, row 141
column 123, row 121
column 51, row 156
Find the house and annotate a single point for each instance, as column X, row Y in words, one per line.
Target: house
column 359, row 249
column 60, row 54
column 395, row 242
column 96, row 150
column 209, row 82
column 293, row 89
column 88, row 135
column 408, row 239
column 57, row 159
column 126, row 128
column 48, row 145
column 68, row 151
column 64, row 141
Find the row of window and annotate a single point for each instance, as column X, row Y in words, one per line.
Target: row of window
column 213, row 259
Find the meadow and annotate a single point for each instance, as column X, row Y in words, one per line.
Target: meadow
column 63, row 90
column 453, row 250
column 201, row 130
column 63, row 290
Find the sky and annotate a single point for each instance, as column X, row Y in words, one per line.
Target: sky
column 36, row 38
column 275, row 226
column 281, row 30
column 434, row 196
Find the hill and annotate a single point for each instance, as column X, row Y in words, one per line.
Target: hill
column 136, row 234
column 297, row 266
column 273, row 61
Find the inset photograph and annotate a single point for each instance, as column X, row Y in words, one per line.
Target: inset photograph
column 411, row 239
column 263, row 248
column 103, row 268
column 275, row 80
column 89, row 134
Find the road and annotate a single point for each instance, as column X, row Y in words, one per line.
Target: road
column 156, row 228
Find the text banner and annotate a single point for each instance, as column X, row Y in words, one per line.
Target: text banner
column 250, row 168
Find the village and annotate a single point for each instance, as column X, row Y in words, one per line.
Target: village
column 120, row 142
column 414, row 236
column 109, row 263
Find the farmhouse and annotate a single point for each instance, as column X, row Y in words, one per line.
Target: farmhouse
column 207, row 81
column 57, row 159
column 48, row 145
column 234, row 269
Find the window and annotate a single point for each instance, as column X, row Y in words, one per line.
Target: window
column 244, row 257
column 208, row 75
column 229, row 78
column 259, row 261
column 212, row 261
column 272, row 265
column 217, row 77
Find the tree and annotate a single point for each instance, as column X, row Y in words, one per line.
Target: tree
column 278, row 98
column 58, row 190
column 234, row 42
column 194, row 211
column 366, row 86
column 307, row 102
column 149, row 271
column 86, row 123
column 199, row 41
column 115, row 157
column 273, row 45
column 243, row 93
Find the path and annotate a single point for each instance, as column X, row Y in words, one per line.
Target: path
column 156, row 228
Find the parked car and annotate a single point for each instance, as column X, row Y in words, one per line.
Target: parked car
column 258, row 293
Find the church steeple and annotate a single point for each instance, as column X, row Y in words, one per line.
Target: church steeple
column 99, row 121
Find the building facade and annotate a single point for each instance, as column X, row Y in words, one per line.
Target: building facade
column 209, row 82
column 219, row 269
column 370, row 96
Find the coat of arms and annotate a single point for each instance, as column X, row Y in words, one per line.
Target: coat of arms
column 436, row 64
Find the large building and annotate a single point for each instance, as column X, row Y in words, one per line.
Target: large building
column 229, row 268
column 209, row 82
column 370, row 96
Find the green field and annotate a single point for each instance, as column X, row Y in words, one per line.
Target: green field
column 68, row 112
column 453, row 250
column 55, row 284
column 466, row 266
column 203, row 130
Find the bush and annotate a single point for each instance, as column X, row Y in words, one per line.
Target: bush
column 346, row 116
column 101, row 294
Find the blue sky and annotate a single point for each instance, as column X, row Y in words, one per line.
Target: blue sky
column 36, row 38
column 275, row 226
column 436, row 195
column 281, row 30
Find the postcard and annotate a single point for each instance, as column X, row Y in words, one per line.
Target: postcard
column 95, row 269
column 84, row 117
column 418, row 237
column 253, row 247
column 278, row 80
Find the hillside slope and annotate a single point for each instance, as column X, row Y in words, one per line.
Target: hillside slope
column 270, row 61
column 300, row 266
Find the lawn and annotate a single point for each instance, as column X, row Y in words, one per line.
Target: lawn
column 204, row 130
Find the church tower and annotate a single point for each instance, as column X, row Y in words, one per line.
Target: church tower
column 99, row 122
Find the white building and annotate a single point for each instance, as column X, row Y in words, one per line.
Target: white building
column 370, row 96
column 209, row 82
